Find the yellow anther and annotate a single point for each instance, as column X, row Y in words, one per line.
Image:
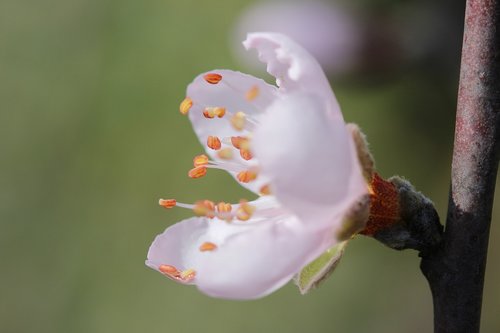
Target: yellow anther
column 265, row 190
column 252, row 93
column 220, row 112
column 225, row 153
column 197, row 172
column 246, row 176
column 204, row 208
column 212, row 78
column 167, row 203
column 238, row 121
column 168, row 269
column 249, row 209
column 207, row 246
column 213, row 142
column 237, row 141
column 245, row 211
column 186, row 104
column 188, row 275
column 200, row 160
column 246, row 154
column 242, row 216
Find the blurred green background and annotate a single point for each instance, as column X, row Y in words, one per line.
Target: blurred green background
column 90, row 138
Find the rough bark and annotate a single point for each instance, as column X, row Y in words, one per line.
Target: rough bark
column 455, row 271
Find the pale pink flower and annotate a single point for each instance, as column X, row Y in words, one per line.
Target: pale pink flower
column 326, row 29
column 289, row 145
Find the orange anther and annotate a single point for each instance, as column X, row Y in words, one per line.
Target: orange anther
column 246, row 176
column 212, row 78
column 252, row 93
column 212, row 111
column 237, row 141
column 223, row 207
column 168, row 269
column 238, row 121
column 246, row 154
column 265, row 190
column 167, row 203
column 186, row 104
column 213, row 142
column 200, row 160
column 197, row 172
column 225, row 153
column 204, row 208
column 208, row 113
column 209, row 204
column 207, row 246
column 224, row 211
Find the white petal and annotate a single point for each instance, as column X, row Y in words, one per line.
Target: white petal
column 228, row 93
column 292, row 66
column 250, row 261
column 310, row 159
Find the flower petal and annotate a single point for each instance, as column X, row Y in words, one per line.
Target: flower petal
column 250, row 260
column 292, row 66
column 229, row 93
column 310, row 159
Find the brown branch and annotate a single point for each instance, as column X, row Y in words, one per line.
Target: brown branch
column 456, row 270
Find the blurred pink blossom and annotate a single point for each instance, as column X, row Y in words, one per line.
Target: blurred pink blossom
column 329, row 32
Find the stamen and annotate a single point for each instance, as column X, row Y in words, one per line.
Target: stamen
column 168, row 269
column 167, row 203
column 237, row 141
column 188, row 275
column 223, row 207
column 224, row 211
column 246, row 176
column 212, row 78
column 197, row 172
column 186, row 104
column 208, row 113
column 245, row 211
column 208, row 246
column 213, row 111
column 220, row 112
column 238, row 121
column 200, row 160
column 265, row 190
column 173, row 273
column 226, row 166
column 204, row 208
column 225, row 154
column 213, row 142
column 252, row 93
column 246, row 154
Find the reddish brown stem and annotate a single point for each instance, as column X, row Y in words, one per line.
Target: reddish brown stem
column 456, row 270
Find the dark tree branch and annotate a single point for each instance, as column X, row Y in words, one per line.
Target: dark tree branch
column 456, row 270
